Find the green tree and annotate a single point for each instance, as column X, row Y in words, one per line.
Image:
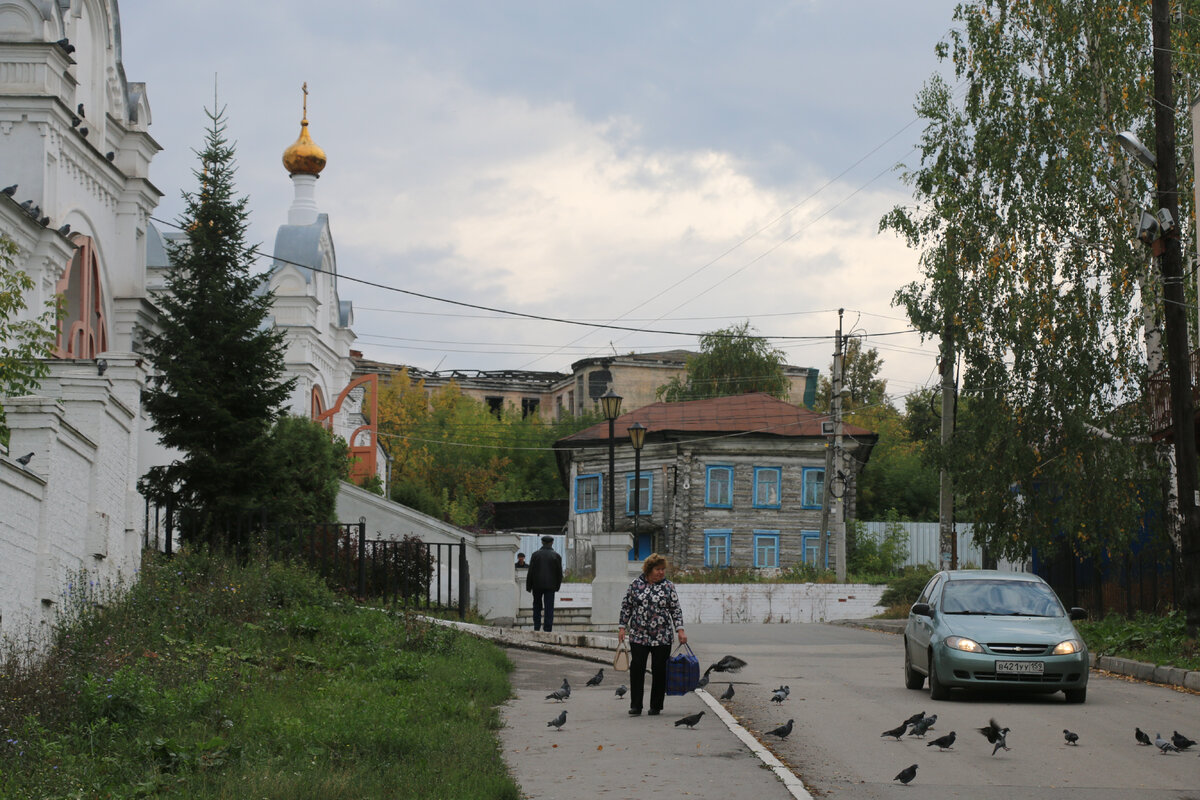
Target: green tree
column 303, row 465
column 731, row 361
column 899, row 478
column 25, row 344
column 1022, row 215
column 219, row 384
column 860, row 376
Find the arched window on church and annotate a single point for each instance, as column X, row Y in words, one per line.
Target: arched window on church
column 83, row 330
column 318, row 403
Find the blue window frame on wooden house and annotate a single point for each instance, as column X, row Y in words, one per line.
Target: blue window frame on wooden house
column 767, row 482
column 812, row 487
column 716, row 547
column 587, row 493
column 766, row 549
column 645, row 494
column 810, row 549
column 718, row 486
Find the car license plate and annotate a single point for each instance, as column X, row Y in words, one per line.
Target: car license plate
column 1020, row 667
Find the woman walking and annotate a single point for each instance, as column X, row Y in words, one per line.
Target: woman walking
column 651, row 616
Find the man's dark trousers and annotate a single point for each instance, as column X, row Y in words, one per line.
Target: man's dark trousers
column 543, row 602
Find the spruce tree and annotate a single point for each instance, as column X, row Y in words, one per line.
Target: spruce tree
column 219, row 384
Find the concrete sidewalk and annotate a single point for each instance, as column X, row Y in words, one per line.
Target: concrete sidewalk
column 601, row 751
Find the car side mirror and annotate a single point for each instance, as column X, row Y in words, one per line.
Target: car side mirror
column 921, row 610
column 1077, row 614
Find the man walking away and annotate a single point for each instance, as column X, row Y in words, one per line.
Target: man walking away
column 543, row 580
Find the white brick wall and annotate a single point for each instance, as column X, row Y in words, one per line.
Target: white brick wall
column 752, row 602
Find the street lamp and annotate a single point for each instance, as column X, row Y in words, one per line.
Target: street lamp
column 637, row 437
column 610, row 405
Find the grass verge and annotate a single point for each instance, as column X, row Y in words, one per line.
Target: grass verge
column 211, row 680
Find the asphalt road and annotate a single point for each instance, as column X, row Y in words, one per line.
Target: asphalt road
column 847, row 687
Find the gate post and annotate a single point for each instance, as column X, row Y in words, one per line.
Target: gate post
column 464, row 578
column 611, row 553
column 496, row 590
column 362, row 557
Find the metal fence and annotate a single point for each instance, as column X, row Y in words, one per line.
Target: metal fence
column 404, row 571
column 1142, row 578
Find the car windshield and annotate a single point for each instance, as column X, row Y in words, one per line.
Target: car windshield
column 1006, row 598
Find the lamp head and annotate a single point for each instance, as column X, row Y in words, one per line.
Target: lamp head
column 1148, row 228
column 610, row 404
column 1135, row 148
column 637, row 435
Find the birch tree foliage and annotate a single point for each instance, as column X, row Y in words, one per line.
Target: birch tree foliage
column 1024, row 214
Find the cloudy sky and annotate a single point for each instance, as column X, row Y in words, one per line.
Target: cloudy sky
column 671, row 166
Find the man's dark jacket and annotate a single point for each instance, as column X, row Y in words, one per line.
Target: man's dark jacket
column 545, row 570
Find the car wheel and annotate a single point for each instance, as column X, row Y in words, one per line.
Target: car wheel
column 912, row 678
column 1076, row 695
column 937, row 691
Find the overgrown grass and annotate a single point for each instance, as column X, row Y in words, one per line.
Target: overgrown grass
column 210, row 680
column 1158, row 639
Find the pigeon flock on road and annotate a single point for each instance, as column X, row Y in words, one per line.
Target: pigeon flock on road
column 915, row 726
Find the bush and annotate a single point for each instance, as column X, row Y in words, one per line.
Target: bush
column 884, row 556
column 904, row 590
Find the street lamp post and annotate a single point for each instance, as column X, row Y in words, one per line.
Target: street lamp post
column 637, row 437
column 610, row 405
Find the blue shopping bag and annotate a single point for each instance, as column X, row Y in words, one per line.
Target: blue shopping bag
column 683, row 671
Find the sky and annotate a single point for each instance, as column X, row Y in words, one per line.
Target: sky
column 665, row 166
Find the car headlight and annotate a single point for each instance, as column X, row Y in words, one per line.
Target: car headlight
column 1068, row 647
column 963, row 643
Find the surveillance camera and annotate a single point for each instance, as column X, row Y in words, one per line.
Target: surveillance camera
column 1147, row 228
column 1166, row 220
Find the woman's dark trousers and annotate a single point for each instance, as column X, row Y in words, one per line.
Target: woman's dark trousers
column 657, row 655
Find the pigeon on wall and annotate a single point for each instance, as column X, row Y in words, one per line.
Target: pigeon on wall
column 25, row 459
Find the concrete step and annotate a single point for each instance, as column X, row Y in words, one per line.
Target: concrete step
column 574, row 618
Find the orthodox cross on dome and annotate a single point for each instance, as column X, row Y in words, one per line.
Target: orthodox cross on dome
column 304, row 88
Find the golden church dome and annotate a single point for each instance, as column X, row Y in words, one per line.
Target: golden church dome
column 304, row 157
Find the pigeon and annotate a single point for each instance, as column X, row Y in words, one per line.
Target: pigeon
column 1142, row 737
column 558, row 694
column 689, row 721
column 1163, row 745
column 727, row 664
column 703, row 681
column 915, row 718
column 75, row 121
column 66, row 45
column 1181, row 741
column 44, row 221
column 565, row 688
column 64, row 230
column 942, row 742
column 79, row 110
column 906, row 774
column 783, row 730
column 25, row 459
column 995, row 735
column 595, row 679
column 1072, row 738
column 110, row 155
column 728, row 693
column 778, row 697
column 26, row 206
column 102, row 366
column 558, row 721
column 896, row 733
column 621, row 690
column 10, row 190
column 920, row 726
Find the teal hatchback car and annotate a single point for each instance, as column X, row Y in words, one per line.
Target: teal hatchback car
column 984, row 629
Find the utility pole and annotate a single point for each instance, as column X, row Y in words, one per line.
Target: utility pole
column 947, row 540
column 832, row 448
column 1175, row 317
column 832, row 478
